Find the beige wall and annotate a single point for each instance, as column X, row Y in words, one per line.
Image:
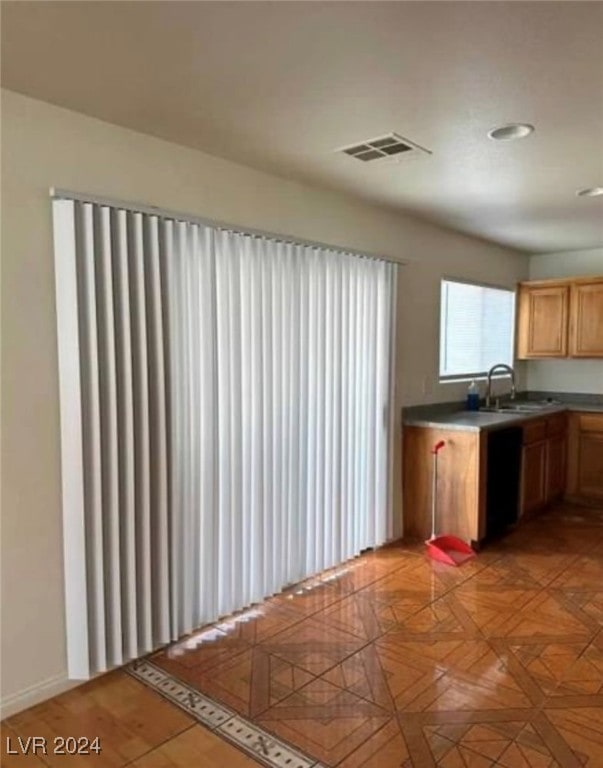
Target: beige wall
column 44, row 146
column 566, row 375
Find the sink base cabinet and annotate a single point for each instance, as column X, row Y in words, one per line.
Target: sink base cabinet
column 527, row 465
column 460, row 488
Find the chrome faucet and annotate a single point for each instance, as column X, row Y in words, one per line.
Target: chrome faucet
column 504, row 367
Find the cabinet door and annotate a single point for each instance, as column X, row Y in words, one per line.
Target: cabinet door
column 460, row 489
column 555, row 467
column 543, row 321
column 590, row 465
column 586, row 337
column 585, row 457
column 533, row 477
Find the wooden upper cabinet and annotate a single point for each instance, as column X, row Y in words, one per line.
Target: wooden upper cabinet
column 586, row 322
column 543, row 320
column 560, row 318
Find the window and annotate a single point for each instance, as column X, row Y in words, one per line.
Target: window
column 476, row 329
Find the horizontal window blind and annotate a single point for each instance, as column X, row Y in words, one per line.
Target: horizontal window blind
column 476, row 328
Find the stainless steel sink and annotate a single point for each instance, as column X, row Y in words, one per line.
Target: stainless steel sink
column 516, row 408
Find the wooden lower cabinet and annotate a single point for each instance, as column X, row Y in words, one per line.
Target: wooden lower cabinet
column 555, row 467
column 585, row 457
column 460, row 489
column 533, row 474
column 543, row 462
column 463, row 504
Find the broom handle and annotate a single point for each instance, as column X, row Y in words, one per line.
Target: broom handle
column 434, row 484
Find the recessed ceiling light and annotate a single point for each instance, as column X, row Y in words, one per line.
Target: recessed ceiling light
column 511, row 131
column 590, row 192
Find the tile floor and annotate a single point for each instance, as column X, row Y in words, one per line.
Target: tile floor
column 390, row 661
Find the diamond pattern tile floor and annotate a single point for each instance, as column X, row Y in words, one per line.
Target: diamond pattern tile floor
column 388, row 661
column 396, row 660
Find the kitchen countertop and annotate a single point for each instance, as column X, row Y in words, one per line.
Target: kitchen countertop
column 475, row 421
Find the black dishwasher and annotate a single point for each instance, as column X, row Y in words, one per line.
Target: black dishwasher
column 503, row 479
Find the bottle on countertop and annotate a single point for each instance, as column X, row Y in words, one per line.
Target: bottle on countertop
column 473, row 397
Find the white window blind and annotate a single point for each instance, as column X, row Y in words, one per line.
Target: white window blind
column 476, row 328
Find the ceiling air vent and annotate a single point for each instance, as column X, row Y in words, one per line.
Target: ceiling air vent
column 390, row 147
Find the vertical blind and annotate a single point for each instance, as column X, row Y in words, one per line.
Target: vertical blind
column 225, row 411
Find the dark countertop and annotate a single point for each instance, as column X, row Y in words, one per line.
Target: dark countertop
column 475, row 421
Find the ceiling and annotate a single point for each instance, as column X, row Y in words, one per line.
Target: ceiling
column 280, row 85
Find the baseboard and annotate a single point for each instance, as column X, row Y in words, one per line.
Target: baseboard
column 16, row 702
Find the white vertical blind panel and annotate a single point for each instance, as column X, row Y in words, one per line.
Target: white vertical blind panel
column 393, row 526
column 236, row 426
column 223, row 404
column 382, row 389
column 127, row 480
column 109, row 439
column 157, row 435
column 251, row 565
column 305, row 468
column 208, row 539
column 72, row 476
column 308, row 509
column 195, row 426
column 344, row 412
column 172, row 269
column 184, row 234
column 275, row 435
column 265, row 435
column 292, row 344
column 364, row 407
column 142, row 435
column 330, row 375
column 371, row 513
column 320, row 514
column 254, row 436
column 354, row 416
column 92, row 438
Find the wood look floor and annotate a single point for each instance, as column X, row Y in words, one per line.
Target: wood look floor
column 390, row 661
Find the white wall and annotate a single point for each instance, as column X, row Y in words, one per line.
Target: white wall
column 44, row 146
column 566, row 375
column 567, row 263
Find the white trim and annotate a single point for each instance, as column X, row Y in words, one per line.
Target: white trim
column 34, row 694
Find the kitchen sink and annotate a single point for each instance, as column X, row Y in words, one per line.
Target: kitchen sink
column 516, row 407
